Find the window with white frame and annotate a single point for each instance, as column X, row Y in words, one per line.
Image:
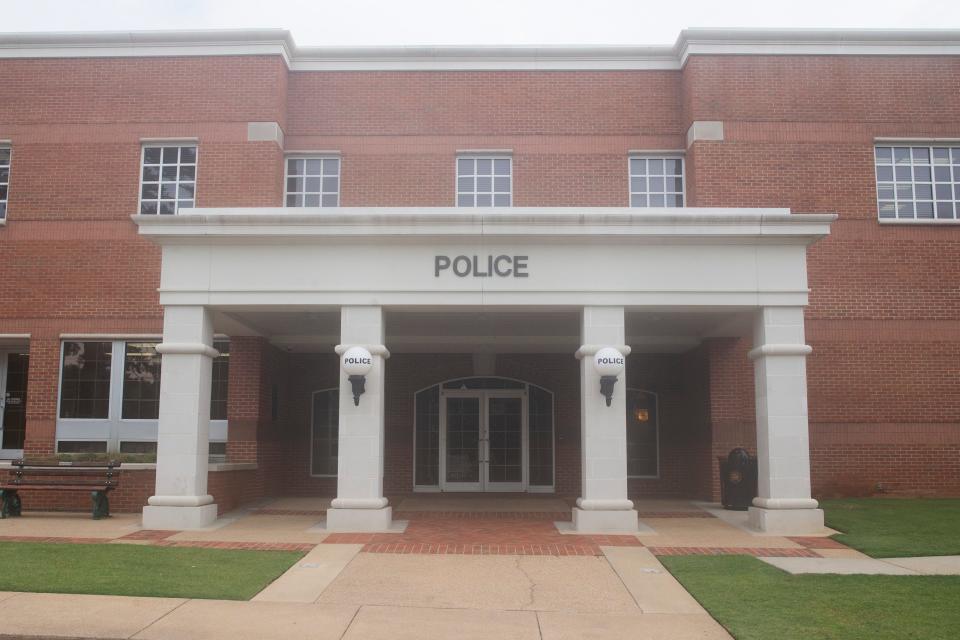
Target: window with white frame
column 643, row 434
column 484, row 181
column 168, row 178
column 656, row 181
column 110, row 396
column 313, row 182
column 918, row 182
column 324, row 432
column 4, row 180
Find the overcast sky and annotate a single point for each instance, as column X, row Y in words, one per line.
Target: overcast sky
column 412, row 22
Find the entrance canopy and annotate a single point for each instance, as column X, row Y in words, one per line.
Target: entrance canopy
column 584, row 281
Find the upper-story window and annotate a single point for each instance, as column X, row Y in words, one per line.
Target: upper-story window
column 484, row 181
column 918, row 182
column 4, row 180
column 656, row 181
column 168, row 178
column 313, row 182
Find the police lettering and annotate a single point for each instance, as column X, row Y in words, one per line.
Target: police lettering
column 603, row 360
column 357, row 360
column 502, row 266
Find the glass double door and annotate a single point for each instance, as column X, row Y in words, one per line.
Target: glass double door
column 13, row 403
column 483, row 440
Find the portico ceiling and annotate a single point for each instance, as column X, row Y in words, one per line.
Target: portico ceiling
column 484, row 330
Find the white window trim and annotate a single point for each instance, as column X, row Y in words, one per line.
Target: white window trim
column 114, row 429
column 324, row 155
column 656, row 400
column 910, row 143
column 334, row 390
column 492, row 154
column 6, row 144
column 177, row 142
column 658, row 155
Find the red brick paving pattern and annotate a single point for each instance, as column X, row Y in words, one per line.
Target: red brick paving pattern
column 477, row 535
column 817, row 542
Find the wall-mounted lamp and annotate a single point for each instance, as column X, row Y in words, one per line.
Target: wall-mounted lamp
column 357, row 363
column 609, row 363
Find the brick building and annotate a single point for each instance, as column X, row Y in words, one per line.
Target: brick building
column 233, row 211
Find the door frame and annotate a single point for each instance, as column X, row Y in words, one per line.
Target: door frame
column 484, row 484
column 6, row 454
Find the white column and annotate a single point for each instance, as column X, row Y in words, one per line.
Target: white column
column 603, row 505
column 783, row 505
column 360, row 505
column 181, row 500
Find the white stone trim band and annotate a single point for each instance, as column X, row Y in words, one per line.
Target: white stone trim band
column 785, row 503
column 358, row 503
column 374, row 349
column 591, row 349
column 187, row 348
column 779, row 350
column 604, row 505
column 179, row 501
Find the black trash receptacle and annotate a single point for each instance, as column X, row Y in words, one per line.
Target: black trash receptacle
column 738, row 480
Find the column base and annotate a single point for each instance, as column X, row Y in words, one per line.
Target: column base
column 792, row 522
column 179, row 518
column 605, row 521
column 359, row 520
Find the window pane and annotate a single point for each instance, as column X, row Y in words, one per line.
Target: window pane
column 638, row 200
column 464, row 166
column 484, row 200
column 331, row 185
column 324, row 432
column 465, row 200
column 501, row 185
column 901, row 155
column 312, row 184
column 465, row 184
column 85, row 380
column 188, row 155
column 921, row 155
column 501, row 200
column 314, row 167
column 151, row 174
column 329, row 200
column 331, row 166
column 655, row 167
column 141, row 381
column 220, row 381
column 311, row 200
column 884, row 155
column 884, row 173
column 151, row 155
column 484, row 166
column 501, row 166
column 642, row 433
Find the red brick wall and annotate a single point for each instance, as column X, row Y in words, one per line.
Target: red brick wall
column 799, row 133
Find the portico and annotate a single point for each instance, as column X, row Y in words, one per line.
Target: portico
column 559, row 281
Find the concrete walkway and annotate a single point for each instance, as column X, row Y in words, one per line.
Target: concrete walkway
column 336, row 591
column 865, row 565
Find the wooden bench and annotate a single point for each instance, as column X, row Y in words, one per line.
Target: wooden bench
column 99, row 478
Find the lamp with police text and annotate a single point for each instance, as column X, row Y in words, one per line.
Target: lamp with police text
column 609, row 364
column 357, row 363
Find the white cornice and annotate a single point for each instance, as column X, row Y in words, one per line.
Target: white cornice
column 690, row 42
column 599, row 223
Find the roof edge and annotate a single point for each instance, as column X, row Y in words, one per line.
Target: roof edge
column 280, row 42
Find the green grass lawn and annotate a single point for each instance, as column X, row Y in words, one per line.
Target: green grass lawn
column 893, row 527
column 136, row 570
column 756, row 601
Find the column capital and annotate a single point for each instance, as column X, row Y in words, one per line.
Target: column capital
column 591, row 349
column 188, row 348
column 374, row 349
column 779, row 350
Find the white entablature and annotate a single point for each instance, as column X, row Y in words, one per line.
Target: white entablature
column 452, row 257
